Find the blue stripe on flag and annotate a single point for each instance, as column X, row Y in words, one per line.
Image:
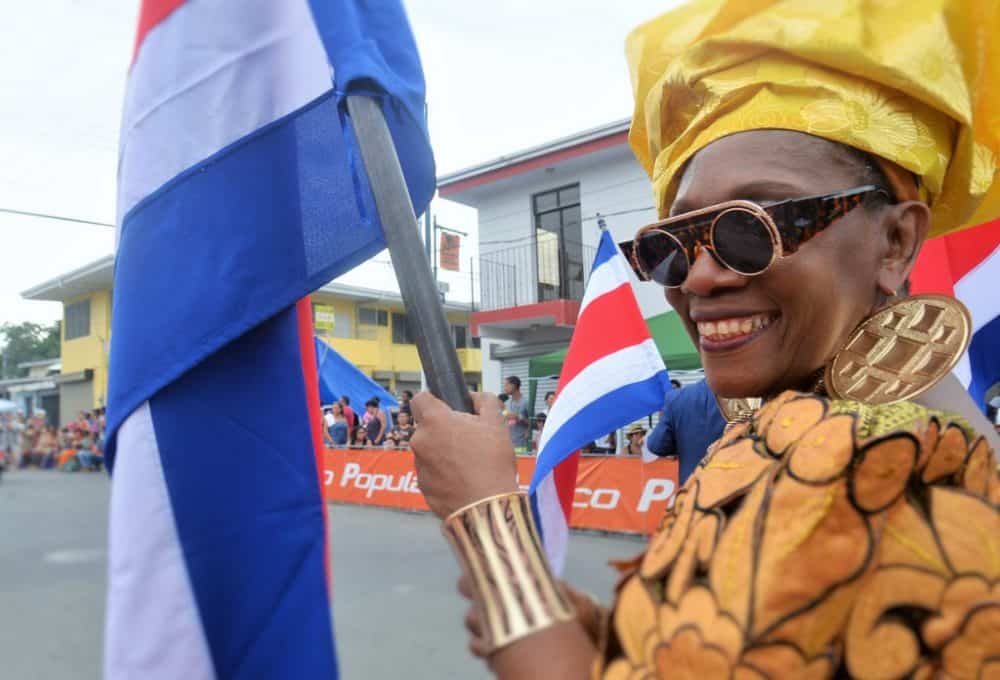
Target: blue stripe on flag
column 984, row 359
column 606, row 250
column 596, row 419
column 372, row 49
column 226, row 244
column 237, row 453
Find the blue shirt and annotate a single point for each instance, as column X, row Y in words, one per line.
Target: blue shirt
column 338, row 432
column 691, row 422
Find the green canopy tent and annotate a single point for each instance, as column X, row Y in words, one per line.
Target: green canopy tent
column 676, row 348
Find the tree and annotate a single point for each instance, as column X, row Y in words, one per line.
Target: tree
column 26, row 341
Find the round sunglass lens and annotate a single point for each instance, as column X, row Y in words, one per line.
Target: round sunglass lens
column 743, row 242
column 662, row 259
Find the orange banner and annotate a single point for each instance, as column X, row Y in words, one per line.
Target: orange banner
column 612, row 494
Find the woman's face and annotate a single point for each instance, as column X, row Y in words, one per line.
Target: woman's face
column 809, row 301
column 337, row 409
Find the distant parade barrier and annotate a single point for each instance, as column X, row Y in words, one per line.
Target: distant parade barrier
column 616, row 494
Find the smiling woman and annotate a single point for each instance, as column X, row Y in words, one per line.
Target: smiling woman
column 839, row 528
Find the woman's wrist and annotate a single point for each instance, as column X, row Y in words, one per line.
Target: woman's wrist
column 497, row 544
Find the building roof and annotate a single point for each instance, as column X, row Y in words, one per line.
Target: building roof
column 564, row 148
column 49, row 363
column 99, row 275
column 90, row 278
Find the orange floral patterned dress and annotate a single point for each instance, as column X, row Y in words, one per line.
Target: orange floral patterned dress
column 821, row 539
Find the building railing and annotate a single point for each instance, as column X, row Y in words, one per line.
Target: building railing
column 540, row 269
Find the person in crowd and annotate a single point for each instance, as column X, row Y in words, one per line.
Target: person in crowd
column 375, row 425
column 606, row 445
column 675, row 383
column 87, row 453
column 349, row 414
column 67, row 449
column 537, row 425
column 550, row 398
column 690, row 422
column 336, row 424
column 29, row 440
column 847, row 523
column 359, row 438
column 46, row 448
column 401, row 433
column 634, row 437
column 515, row 412
column 404, row 403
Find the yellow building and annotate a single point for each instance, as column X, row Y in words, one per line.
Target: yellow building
column 369, row 327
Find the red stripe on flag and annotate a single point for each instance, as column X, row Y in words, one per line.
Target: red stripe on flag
column 932, row 272
column 310, row 375
column 945, row 260
column 969, row 247
column 608, row 324
column 150, row 15
column 564, row 477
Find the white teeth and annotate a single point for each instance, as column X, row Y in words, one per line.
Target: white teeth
column 724, row 329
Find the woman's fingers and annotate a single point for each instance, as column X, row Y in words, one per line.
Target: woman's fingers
column 473, row 623
column 465, row 586
column 488, row 407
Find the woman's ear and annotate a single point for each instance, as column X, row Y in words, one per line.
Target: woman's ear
column 904, row 228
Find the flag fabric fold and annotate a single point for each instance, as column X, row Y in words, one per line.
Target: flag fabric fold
column 613, row 374
column 241, row 190
column 966, row 265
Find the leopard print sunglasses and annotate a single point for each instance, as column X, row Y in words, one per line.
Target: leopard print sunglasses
column 742, row 236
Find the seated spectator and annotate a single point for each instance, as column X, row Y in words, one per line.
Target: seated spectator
column 29, row 438
column 401, row 433
column 634, row 437
column 46, row 448
column 87, row 454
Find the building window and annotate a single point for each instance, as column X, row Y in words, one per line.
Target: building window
column 77, row 320
column 402, row 334
column 367, row 316
column 558, row 243
column 460, row 334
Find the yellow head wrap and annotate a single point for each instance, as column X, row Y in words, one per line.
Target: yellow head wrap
column 916, row 82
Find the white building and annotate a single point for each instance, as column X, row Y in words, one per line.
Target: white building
column 538, row 231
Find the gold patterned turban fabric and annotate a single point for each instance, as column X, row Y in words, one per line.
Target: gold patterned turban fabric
column 825, row 537
column 914, row 82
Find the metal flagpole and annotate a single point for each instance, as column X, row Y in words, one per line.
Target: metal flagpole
column 416, row 284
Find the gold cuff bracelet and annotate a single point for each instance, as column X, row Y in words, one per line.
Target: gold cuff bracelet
column 498, row 545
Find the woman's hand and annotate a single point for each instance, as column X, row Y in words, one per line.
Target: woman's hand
column 589, row 613
column 461, row 458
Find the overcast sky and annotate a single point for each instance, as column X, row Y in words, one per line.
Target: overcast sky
column 501, row 76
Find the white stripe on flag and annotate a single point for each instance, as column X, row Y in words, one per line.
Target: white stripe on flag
column 609, row 373
column 607, row 277
column 978, row 290
column 555, row 529
column 275, row 63
column 153, row 630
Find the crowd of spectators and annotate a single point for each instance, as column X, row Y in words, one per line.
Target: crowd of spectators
column 34, row 442
column 526, row 430
column 374, row 428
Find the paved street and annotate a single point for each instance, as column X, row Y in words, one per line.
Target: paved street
column 396, row 610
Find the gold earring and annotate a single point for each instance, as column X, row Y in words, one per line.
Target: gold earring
column 900, row 351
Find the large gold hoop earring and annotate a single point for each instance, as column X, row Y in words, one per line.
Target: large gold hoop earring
column 900, row 351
